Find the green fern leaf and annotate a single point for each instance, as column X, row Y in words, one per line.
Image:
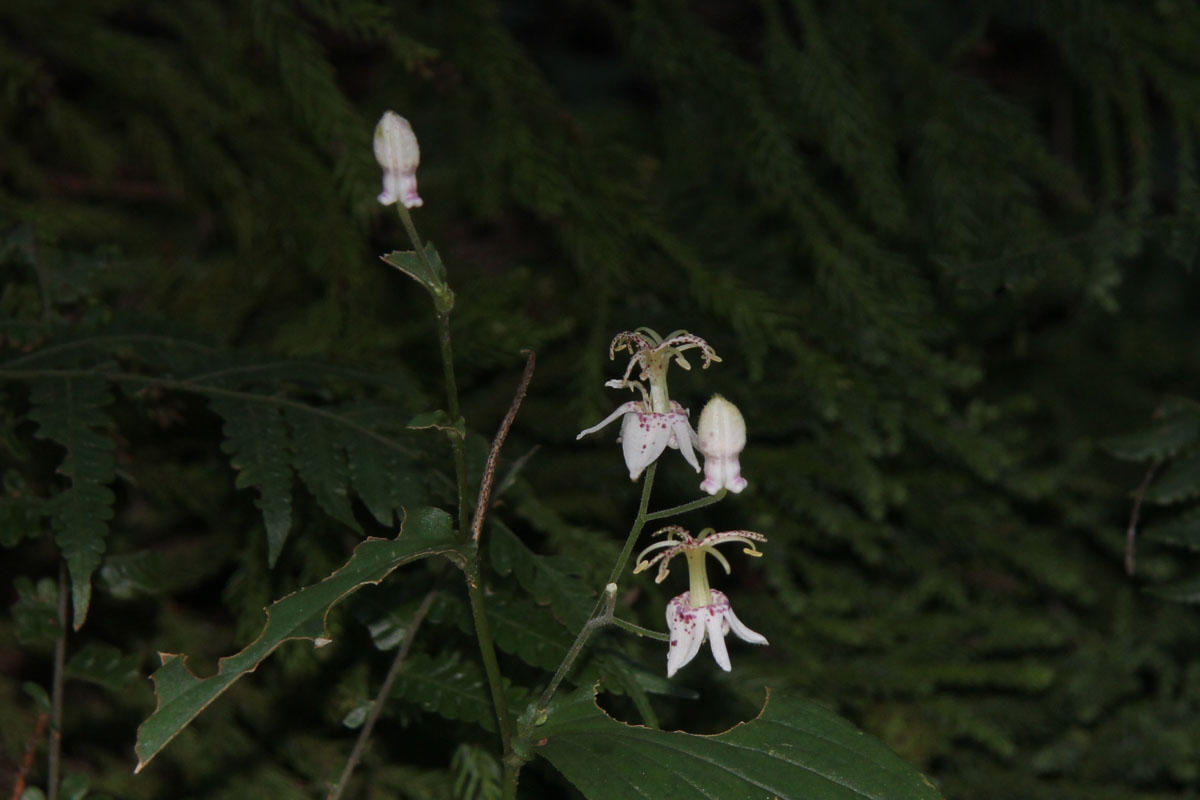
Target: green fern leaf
column 256, row 441
column 1179, row 428
column 383, row 476
column 549, row 579
column 452, row 688
column 319, row 456
column 1180, row 480
column 69, row 411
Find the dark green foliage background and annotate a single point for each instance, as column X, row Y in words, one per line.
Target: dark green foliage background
column 943, row 248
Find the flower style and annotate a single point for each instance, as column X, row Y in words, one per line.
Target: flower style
column 655, row 422
column 722, row 436
column 701, row 612
column 397, row 151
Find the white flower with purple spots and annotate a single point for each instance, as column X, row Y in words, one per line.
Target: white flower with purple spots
column 645, row 434
column 690, row 625
column 701, row 612
column 651, row 425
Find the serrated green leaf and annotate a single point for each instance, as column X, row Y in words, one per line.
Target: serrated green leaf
column 794, row 750
column 1179, row 480
column 36, row 611
column 427, row 271
column 381, row 476
column 69, row 411
column 104, row 665
column 319, row 457
column 452, row 687
column 21, row 512
column 256, row 441
column 549, row 579
column 301, row 615
column 1179, row 428
column 132, row 575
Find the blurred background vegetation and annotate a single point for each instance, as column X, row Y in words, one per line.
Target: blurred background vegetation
column 945, row 250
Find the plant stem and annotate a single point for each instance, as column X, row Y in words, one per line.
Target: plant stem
column 686, row 507
column 489, row 468
column 456, row 443
column 360, row 746
column 487, row 650
column 471, row 570
column 447, row 353
column 56, row 693
column 602, row 614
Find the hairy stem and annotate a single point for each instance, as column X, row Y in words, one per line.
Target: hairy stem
column 54, row 759
column 364, row 735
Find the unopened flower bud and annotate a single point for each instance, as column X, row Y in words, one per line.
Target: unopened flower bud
column 722, row 435
column 397, row 152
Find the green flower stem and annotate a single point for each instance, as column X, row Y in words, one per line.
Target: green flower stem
column 686, row 507
column 626, row 625
column 602, row 614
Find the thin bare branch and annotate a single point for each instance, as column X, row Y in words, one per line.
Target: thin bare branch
column 1131, row 532
column 360, row 746
column 489, row 470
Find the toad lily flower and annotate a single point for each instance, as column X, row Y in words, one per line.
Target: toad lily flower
column 701, row 612
column 655, row 422
column 722, row 435
column 397, row 152
column 644, row 435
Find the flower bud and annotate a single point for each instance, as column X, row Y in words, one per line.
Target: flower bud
column 722, row 435
column 397, row 152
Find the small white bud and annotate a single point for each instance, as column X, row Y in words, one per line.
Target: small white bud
column 722, row 435
column 397, row 151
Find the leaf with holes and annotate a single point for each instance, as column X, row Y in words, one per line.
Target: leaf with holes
column 793, row 750
column 301, row 615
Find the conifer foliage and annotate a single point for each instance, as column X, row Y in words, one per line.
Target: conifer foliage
column 946, row 252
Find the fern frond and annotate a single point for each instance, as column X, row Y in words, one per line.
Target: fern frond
column 257, row 442
column 70, row 412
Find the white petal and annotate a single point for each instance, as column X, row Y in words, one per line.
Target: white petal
column 732, row 475
column 624, row 408
column 684, row 436
column 687, row 633
column 716, row 640
column 743, row 633
column 643, row 438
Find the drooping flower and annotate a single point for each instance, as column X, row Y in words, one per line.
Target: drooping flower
column 701, row 612
column 690, row 625
column 645, row 434
column 397, row 151
column 655, row 422
column 722, row 437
